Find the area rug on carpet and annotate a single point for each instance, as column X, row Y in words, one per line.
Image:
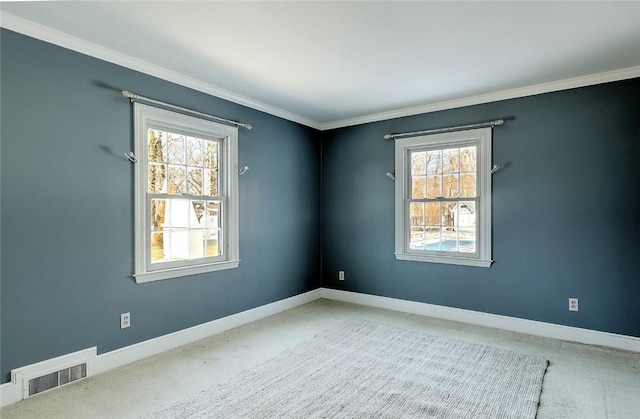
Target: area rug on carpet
column 367, row 370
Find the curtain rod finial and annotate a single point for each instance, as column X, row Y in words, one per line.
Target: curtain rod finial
column 388, row 136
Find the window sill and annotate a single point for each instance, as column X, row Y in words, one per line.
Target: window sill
column 481, row 263
column 184, row 271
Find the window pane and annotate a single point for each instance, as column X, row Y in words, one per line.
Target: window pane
column 178, row 244
column 196, row 243
column 195, row 152
column 211, row 154
column 213, row 214
column 417, row 240
column 466, row 213
column 213, row 241
column 156, row 178
column 448, row 211
column 155, row 145
column 467, row 240
column 418, row 186
column 194, row 181
column 175, row 148
column 468, row 185
column 214, row 229
column 449, row 240
column 416, row 210
column 178, row 213
column 197, row 217
column 450, row 186
column 418, row 163
column 157, row 247
column 158, row 212
column 177, row 177
column 434, row 162
column 433, row 186
column 450, row 160
column 433, row 239
column 433, row 214
column 468, row 159
column 210, row 182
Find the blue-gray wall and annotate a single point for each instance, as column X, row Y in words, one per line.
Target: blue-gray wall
column 566, row 211
column 67, row 209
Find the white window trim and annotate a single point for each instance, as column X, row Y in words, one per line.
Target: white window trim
column 403, row 168
column 145, row 115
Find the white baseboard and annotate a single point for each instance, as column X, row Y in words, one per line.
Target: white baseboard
column 110, row 360
column 13, row 392
column 530, row 327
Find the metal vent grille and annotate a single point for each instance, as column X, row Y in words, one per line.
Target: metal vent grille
column 56, row 379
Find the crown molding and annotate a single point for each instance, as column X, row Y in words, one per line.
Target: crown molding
column 64, row 40
column 44, row 33
column 565, row 84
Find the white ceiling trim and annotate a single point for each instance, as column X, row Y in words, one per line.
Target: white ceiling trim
column 73, row 43
column 64, row 40
column 571, row 83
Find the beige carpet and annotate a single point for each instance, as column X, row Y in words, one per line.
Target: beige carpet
column 368, row 370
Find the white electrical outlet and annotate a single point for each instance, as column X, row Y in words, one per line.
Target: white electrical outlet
column 573, row 304
column 341, row 275
column 125, row 320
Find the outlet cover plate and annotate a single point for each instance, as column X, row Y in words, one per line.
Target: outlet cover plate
column 573, row 304
column 125, row 320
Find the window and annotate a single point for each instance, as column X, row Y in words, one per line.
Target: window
column 443, row 198
column 186, row 195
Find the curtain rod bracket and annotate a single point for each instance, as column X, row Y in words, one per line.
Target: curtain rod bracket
column 128, row 94
column 131, row 157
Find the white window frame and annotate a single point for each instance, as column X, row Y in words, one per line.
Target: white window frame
column 149, row 117
column 482, row 138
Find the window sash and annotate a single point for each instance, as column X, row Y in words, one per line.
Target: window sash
column 156, row 266
column 441, row 226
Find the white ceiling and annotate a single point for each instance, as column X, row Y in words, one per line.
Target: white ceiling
column 329, row 64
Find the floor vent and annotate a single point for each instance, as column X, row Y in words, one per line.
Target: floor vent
column 57, row 379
